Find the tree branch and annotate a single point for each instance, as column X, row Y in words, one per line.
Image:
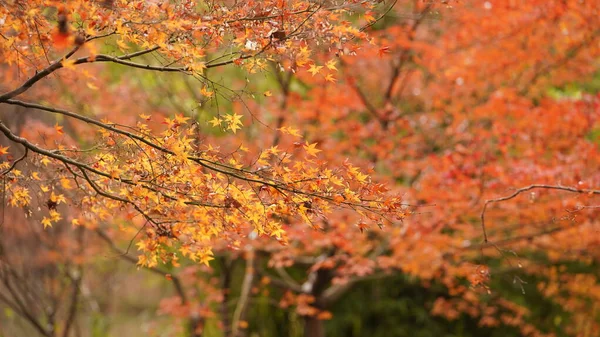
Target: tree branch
column 176, row 282
column 245, row 293
column 525, row 189
column 405, row 55
column 14, row 163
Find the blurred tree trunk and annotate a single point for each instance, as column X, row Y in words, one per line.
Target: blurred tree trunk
column 313, row 327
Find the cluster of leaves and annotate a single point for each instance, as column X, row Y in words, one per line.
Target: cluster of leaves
column 172, row 184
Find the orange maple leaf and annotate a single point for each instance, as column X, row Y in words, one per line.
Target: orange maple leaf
column 58, row 129
column 383, row 50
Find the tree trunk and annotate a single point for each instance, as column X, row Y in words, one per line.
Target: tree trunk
column 313, row 327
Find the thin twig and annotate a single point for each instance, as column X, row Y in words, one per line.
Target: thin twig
column 12, row 166
column 525, row 189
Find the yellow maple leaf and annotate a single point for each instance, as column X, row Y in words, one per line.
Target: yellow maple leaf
column 294, row 132
column 142, row 260
column 311, row 149
column 205, row 92
column 278, row 232
column 331, row 64
column 315, row 69
column 305, row 51
column 197, row 67
column 205, row 259
column 3, row 150
column 290, row 131
column 68, row 64
column 274, row 150
column 66, row 183
column 57, row 198
column 122, row 45
column 180, row 118
column 215, row 122
column 235, row 122
column 46, row 222
column 185, row 250
column 301, row 62
column 54, row 215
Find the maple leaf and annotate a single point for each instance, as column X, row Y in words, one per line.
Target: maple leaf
column 215, row 121
column 314, row 69
column 181, row 119
column 146, row 117
column 362, row 226
column 205, row 92
column 122, row 45
column 197, row 68
column 368, row 16
column 331, row 64
column 274, row 150
column 66, row 183
column 55, row 215
column 68, row 64
column 205, row 259
column 383, row 50
column 58, row 129
column 3, row 150
column 234, row 122
column 57, row 198
column 46, row 222
column 311, row 149
column 290, row 131
column 278, row 232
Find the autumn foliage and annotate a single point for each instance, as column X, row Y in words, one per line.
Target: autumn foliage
column 291, row 151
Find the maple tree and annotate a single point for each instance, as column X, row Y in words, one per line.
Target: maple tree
column 461, row 109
